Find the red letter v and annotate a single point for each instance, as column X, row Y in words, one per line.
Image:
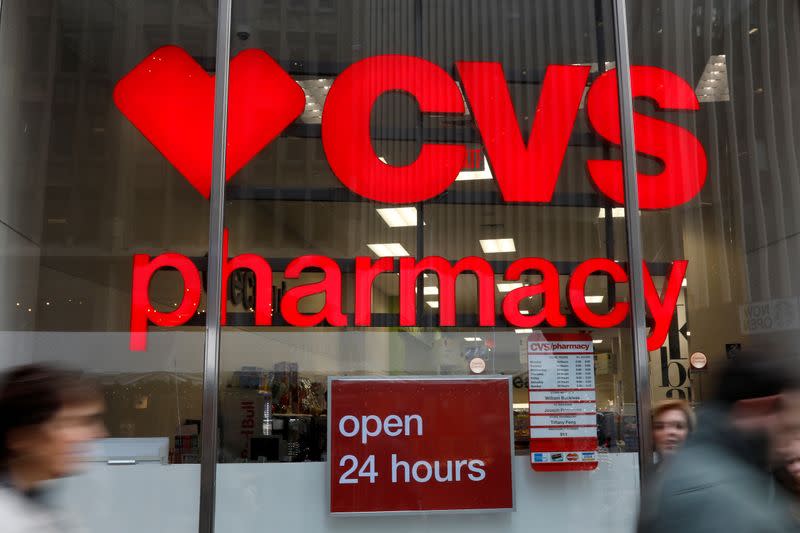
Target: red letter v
column 524, row 173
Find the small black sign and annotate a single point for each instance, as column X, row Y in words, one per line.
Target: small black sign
column 732, row 350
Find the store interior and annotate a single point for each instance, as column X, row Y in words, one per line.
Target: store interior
column 98, row 193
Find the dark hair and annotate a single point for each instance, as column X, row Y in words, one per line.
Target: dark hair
column 757, row 375
column 31, row 394
column 786, row 480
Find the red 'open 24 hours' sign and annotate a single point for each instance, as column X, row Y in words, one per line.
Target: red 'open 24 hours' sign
column 419, row 444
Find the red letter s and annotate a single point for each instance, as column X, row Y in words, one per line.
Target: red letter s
column 682, row 154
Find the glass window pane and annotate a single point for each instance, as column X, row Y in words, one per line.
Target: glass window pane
column 736, row 226
column 88, row 189
column 720, row 147
column 497, row 202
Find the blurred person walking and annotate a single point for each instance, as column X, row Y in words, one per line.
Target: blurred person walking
column 787, row 466
column 720, row 480
column 48, row 416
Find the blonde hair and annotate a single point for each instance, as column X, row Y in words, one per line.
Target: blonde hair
column 676, row 405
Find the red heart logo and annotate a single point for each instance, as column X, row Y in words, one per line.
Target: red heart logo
column 170, row 99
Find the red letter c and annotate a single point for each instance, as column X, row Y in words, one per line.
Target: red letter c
column 346, row 129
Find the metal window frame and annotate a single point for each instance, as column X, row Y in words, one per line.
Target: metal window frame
column 209, row 434
column 641, row 356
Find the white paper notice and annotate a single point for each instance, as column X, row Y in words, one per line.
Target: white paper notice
column 562, row 394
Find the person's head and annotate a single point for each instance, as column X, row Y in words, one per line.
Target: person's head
column 761, row 392
column 672, row 422
column 47, row 417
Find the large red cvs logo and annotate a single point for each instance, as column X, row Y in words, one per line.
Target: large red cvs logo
column 170, row 99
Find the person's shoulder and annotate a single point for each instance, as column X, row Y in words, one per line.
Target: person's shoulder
column 17, row 515
column 706, row 488
column 709, row 469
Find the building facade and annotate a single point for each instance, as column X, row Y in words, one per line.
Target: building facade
column 216, row 206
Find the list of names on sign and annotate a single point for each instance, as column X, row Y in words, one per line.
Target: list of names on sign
column 563, row 420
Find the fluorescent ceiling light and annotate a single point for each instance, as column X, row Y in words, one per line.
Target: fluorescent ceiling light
column 713, row 84
column 525, row 312
column 523, row 330
column 472, row 339
column 597, row 341
column 592, row 66
column 683, row 283
column 392, row 249
column 465, row 175
column 399, row 217
column 508, row 287
column 594, row 299
column 429, row 291
column 434, row 304
column 471, row 175
column 616, row 212
column 521, row 406
column 497, row 246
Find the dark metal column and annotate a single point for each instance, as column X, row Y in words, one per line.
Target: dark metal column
column 633, row 225
column 419, row 299
column 208, row 461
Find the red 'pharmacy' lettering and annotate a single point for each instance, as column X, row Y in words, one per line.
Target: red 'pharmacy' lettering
column 661, row 306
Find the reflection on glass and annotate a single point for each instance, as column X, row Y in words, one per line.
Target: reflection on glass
column 82, row 192
column 402, row 320
column 287, row 203
column 738, row 233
